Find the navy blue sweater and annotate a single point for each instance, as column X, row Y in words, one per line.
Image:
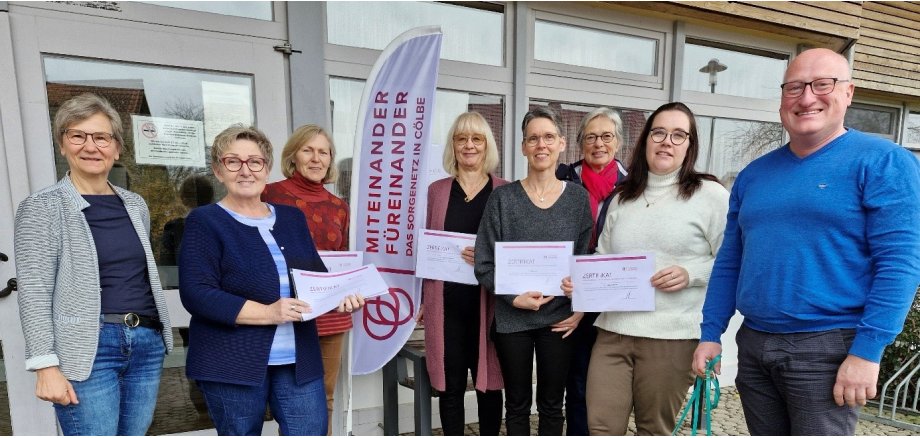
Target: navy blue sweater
column 224, row 263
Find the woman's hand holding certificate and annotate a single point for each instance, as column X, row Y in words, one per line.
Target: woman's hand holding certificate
column 325, row 291
column 612, row 282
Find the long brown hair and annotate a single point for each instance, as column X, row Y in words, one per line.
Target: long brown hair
column 688, row 180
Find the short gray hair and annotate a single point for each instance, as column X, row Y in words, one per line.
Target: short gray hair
column 82, row 107
column 241, row 132
column 474, row 123
column 601, row 112
column 541, row 112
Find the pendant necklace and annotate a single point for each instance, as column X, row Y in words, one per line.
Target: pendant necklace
column 542, row 196
column 469, row 197
column 654, row 200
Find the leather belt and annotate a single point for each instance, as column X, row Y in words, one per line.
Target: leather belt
column 132, row 320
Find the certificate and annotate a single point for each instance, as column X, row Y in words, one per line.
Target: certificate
column 531, row 266
column 613, row 283
column 439, row 256
column 337, row 261
column 323, row 291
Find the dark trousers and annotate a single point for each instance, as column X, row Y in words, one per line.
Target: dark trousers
column 516, row 355
column 461, row 357
column 786, row 382
column 576, row 410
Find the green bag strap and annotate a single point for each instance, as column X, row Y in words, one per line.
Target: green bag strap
column 707, row 387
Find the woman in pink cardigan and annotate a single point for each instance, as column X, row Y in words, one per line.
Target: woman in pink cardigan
column 458, row 317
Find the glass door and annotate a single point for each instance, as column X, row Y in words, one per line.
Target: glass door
column 175, row 88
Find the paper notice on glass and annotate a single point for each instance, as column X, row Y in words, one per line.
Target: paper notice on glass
column 531, row 266
column 438, row 256
column 325, row 290
column 613, row 282
column 160, row 141
column 225, row 104
column 338, row 261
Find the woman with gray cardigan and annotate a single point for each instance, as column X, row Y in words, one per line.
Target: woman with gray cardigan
column 536, row 208
column 93, row 313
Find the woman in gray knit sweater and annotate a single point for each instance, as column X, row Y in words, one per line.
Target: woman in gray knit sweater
column 536, row 208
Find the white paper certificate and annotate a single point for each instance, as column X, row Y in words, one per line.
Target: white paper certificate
column 531, row 266
column 325, row 290
column 337, row 261
column 613, row 282
column 439, row 256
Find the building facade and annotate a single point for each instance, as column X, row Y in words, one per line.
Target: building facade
column 193, row 68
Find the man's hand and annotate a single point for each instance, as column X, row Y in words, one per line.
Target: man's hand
column 705, row 352
column 856, row 381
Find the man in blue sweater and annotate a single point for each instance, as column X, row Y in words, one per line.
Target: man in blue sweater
column 822, row 258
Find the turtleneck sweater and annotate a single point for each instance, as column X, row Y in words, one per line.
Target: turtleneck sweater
column 682, row 232
column 327, row 219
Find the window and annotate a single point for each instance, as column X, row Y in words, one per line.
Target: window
column 728, row 145
column 595, row 48
column 912, row 131
column 346, row 103
column 257, row 10
column 470, row 34
column 872, row 119
column 170, row 119
column 719, row 69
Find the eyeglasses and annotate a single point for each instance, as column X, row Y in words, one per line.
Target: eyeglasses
column 677, row 137
column 606, row 137
column 548, row 139
column 462, row 139
column 819, row 87
column 234, row 164
column 78, row 137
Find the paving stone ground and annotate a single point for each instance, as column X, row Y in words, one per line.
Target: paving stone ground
column 728, row 420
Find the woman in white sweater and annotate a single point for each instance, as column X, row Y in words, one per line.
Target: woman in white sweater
column 641, row 359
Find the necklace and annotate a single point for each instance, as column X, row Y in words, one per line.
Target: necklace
column 468, row 193
column 542, row 196
column 654, row 200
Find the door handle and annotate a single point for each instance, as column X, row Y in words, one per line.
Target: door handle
column 10, row 287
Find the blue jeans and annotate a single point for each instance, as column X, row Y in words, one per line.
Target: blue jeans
column 240, row 409
column 120, row 394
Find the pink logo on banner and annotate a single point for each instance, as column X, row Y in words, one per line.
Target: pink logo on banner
column 388, row 189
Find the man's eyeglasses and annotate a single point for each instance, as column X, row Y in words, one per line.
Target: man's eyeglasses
column 677, row 137
column 462, row 139
column 234, row 164
column 78, row 137
column 606, row 137
column 819, row 87
column 548, row 139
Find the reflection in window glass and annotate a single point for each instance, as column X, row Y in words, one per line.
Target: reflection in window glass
column 912, row 131
column 734, row 73
column 470, row 35
column 570, row 116
column 593, row 48
column 172, row 178
column 257, row 10
column 346, row 102
column 727, row 145
column 872, row 120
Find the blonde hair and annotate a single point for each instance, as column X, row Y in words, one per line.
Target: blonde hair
column 241, row 132
column 298, row 138
column 474, row 123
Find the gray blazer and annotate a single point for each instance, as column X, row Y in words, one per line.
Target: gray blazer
column 58, row 272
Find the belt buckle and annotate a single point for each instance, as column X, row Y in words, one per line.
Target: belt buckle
column 132, row 320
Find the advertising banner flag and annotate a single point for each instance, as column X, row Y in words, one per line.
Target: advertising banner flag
column 389, row 191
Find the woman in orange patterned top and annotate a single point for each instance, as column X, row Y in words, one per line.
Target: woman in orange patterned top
column 306, row 162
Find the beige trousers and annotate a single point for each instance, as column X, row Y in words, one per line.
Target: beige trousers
column 330, row 347
column 650, row 376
